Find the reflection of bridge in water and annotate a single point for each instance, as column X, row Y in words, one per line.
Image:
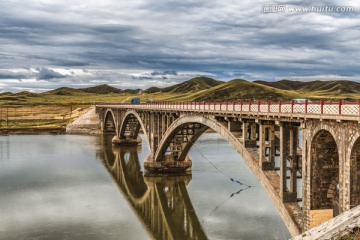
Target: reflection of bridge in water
column 162, row 204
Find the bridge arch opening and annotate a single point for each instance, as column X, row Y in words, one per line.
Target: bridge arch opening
column 109, row 123
column 355, row 174
column 184, row 132
column 130, row 127
column 324, row 172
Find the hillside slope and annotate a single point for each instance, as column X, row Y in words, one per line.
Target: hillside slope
column 193, row 85
column 335, row 87
column 242, row 89
column 102, row 89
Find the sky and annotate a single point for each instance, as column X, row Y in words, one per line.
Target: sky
column 46, row 44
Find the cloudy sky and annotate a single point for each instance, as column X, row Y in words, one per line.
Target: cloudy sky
column 46, row 44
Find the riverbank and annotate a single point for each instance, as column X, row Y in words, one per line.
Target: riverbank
column 87, row 124
column 32, row 131
column 52, row 120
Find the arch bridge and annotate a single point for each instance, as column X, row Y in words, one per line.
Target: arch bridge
column 306, row 155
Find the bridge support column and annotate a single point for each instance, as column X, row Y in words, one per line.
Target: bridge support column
column 234, row 126
column 288, row 162
column 249, row 134
column 267, row 142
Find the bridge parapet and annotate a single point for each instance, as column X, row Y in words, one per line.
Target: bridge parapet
column 320, row 109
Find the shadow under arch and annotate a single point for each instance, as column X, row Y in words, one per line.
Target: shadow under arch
column 198, row 125
column 131, row 125
column 324, row 173
column 161, row 203
column 355, row 174
column 109, row 123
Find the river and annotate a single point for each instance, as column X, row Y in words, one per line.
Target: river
column 81, row 187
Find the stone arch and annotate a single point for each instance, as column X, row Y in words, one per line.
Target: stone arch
column 133, row 115
column 324, row 162
column 109, row 123
column 182, row 124
column 355, row 174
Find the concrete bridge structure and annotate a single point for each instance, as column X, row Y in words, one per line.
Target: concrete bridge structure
column 306, row 155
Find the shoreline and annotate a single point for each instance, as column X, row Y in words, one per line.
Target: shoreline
column 32, row 131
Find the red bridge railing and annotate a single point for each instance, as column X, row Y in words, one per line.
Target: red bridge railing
column 319, row 107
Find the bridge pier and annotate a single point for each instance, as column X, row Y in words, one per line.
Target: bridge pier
column 126, row 141
column 267, row 142
column 288, row 161
column 249, row 133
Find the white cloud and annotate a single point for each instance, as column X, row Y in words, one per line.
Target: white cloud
column 113, row 41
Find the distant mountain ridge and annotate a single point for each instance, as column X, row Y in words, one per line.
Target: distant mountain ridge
column 201, row 89
column 334, row 86
column 102, row 89
column 192, row 85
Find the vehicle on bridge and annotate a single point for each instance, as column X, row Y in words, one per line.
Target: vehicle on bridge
column 135, row 100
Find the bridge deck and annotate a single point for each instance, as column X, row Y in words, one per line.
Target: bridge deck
column 297, row 112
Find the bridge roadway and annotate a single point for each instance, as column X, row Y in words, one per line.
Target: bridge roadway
column 317, row 143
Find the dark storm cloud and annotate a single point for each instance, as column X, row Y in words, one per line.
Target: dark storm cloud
column 48, row 74
column 167, row 72
column 4, row 74
column 138, row 43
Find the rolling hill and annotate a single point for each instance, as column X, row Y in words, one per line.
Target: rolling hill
column 331, row 87
column 102, row 89
column 196, row 89
column 65, row 91
column 192, row 85
column 242, row 89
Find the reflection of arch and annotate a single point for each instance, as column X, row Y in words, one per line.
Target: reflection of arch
column 355, row 174
column 179, row 138
column 324, row 171
column 130, row 126
column 162, row 204
column 109, row 122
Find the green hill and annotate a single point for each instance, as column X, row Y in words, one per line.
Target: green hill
column 153, row 90
column 330, row 87
column 64, row 91
column 102, row 89
column 192, row 85
column 242, row 89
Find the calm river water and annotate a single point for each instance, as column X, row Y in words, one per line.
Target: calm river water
column 80, row 187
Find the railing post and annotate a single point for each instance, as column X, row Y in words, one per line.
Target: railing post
column 268, row 106
column 322, row 107
column 306, row 106
column 279, row 106
column 241, row 106
column 359, row 105
column 220, row 105
column 259, row 106
column 340, row 104
column 249, row 106
column 292, row 106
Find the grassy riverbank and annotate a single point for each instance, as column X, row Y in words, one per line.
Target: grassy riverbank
column 39, row 117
